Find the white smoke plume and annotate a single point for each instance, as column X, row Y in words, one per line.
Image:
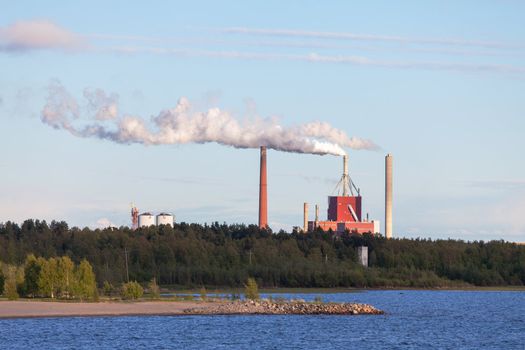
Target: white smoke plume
column 183, row 125
column 105, row 106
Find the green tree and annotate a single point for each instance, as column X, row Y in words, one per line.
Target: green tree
column 85, row 282
column 132, row 290
column 10, row 284
column 32, row 268
column 66, row 278
column 251, row 290
column 48, row 280
column 154, row 289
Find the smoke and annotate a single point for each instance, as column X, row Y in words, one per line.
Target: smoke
column 105, row 106
column 183, row 125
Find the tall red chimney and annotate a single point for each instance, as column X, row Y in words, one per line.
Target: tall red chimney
column 263, row 196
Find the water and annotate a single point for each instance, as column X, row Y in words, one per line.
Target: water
column 413, row 319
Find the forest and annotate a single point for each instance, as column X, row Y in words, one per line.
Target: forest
column 221, row 255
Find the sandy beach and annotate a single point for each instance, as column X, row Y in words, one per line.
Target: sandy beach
column 26, row 308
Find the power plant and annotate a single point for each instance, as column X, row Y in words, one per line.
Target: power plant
column 344, row 211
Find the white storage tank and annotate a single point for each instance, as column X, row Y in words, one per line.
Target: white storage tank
column 165, row 219
column 146, row 219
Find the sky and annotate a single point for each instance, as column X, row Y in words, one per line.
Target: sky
column 91, row 93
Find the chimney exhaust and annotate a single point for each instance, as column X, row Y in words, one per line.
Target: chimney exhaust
column 263, row 194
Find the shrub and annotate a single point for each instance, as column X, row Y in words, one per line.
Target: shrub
column 251, row 291
column 131, row 290
column 154, row 289
column 203, row 294
column 108, row 289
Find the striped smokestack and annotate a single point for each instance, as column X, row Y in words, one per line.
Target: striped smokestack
column 263, row 195
column 388, row 196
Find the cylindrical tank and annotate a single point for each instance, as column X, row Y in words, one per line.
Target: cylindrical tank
column 165, row 219
column 146, row 219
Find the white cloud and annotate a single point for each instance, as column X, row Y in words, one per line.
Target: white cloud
column 104, row 223
column 38, row 35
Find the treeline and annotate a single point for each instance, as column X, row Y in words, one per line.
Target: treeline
column 192, row 255
column 49, row 278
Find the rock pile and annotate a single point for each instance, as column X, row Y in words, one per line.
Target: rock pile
column 264, row 307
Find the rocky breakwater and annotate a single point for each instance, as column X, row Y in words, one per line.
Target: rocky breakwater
column 265, row 307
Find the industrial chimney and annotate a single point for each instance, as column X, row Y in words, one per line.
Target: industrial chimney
column 388, row 196
column 346, row 183
column 305, row 218
column 316, row 223
column 263, row 195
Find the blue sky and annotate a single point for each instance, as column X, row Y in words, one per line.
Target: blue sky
column 439, row 84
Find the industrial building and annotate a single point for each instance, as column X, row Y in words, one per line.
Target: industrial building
column 147, row 219
column 344, row 211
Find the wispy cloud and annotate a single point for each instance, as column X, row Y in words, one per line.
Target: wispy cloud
column 37, row 35
column 370, row 37
column 335, row 59
column 44, row 34
column 498, row 184
column 186, row 180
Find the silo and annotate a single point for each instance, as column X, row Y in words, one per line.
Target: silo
column 146, row 219
column 165, row 219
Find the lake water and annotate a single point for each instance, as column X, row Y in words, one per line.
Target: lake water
column 413, row 319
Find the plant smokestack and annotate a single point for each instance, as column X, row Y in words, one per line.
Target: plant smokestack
column 305, row 217
column 263, row 194
column 388, row 196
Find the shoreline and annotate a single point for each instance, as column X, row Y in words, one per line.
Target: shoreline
column 47, row 309
column 42, row 309
column 315, row 290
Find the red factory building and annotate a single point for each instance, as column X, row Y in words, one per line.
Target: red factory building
column 344, row 211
